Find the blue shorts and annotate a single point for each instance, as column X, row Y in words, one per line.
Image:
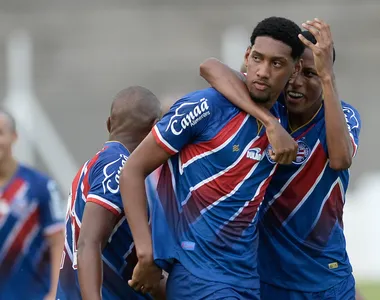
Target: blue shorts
column 182, row 285
column 344, row 290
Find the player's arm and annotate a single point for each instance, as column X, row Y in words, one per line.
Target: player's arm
column 53, row 228
column 339, row 143
column 231, row 84
column 96, row 228
column 147, row 157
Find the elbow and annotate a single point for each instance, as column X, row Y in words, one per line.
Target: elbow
column 206, row 65
column 343, row 163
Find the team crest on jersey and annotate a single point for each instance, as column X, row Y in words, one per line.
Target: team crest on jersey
column 111, row 179
column 302, row 154
column 188, row 114
column 351, row 119
column 255, row 154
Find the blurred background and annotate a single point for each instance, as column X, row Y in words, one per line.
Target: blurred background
column 61, row 62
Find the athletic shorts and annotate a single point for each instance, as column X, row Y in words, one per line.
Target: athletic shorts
column 183, row 285
column 344, row 290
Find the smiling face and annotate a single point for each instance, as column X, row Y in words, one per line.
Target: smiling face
column 304, row 91
column 269, row 66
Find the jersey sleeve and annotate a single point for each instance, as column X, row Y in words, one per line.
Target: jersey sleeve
column 353, row 122
column 51, row 212
column 354, row 126
column 185, row 121
column 104, row 183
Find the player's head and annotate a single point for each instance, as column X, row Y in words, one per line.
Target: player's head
column 134, row 112
column 304, row 90
column 8, row 134
column 272, row 58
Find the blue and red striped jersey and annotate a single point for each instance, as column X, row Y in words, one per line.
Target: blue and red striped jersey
column 211, row 188
column 98, row 182
column 29, row 212
column 302, row 245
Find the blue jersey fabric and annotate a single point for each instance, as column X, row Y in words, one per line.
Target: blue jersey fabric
column 98, row 182
column 211, row 188
column 29, row 212
column 302, row 245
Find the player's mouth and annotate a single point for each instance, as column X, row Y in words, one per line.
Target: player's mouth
column 294, row 97
column 260, row 85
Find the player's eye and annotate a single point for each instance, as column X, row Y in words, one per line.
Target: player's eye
column 256, row 58
column 277, row 64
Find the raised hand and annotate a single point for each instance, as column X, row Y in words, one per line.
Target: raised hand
column 323, row 49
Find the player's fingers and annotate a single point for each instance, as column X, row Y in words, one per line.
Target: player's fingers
column 306, row 42
column 314, row 31
column 323, row 27
column 134, row 284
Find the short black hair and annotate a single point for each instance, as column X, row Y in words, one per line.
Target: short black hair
column 281, row 29
column 11, row 119
column 310, row 37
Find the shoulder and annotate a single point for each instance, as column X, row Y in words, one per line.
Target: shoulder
column 33, row 176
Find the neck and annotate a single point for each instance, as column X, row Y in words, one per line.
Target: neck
column 7, row 168
column 297, row 120
column 128, row 141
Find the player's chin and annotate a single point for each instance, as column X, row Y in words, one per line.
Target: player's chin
column 260, row 96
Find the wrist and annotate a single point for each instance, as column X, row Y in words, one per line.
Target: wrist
column 145, row 255
column 327, row 78
column 270, row 122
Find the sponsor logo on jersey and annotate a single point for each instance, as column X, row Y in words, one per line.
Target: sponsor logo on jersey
column 302, row 154
column 111, row 178
column 187, row 115
column 255, row 154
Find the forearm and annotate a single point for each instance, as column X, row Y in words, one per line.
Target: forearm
column 55, row 260
column 338, row 139
column 133, row 192
column 90, row 269
column 228, row 83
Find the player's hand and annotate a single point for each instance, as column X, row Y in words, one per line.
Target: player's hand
column 284, row 147
column 323, row 49
column 50, row 296
column 146, row 276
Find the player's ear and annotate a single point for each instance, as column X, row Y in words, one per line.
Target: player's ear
column 246, row 56
column 14, row 137
column 109, row 125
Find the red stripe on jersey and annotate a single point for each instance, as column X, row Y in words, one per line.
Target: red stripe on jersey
column 17, row 245
column 192, row 150
column 247, row 214
column 300, row 185
column 328, row 218
column 86, row 185
column 74, row 187
column 103, row 204
column 213, row 190
column 12, row 189
column 166, row 194
column 162, row 143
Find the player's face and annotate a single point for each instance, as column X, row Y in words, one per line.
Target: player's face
column 7, row 137
column 304, row 91
column 269, row 67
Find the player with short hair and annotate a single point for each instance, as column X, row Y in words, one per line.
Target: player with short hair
column 302, row 252
column 213, row 179
column 99, row 254
column 31, row 227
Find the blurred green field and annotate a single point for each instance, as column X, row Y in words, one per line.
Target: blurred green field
column 369, row 290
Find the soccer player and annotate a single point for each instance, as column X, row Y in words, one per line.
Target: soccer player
column 31, row 227
column 213, row 180
column 99, row 254
column 302, row 252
